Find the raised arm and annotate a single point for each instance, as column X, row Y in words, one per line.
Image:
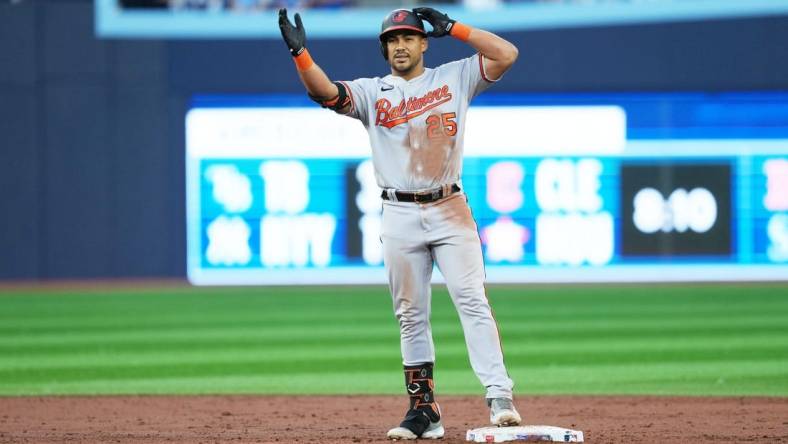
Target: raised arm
column 319, row 87
column 499, row 54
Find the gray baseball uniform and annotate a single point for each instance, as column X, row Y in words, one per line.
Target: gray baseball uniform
column 416, row 132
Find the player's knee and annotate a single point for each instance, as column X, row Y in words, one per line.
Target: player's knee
column 410, row 330
column 471, row 301
column 408, row 315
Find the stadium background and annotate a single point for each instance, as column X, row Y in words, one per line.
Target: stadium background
column 93, row 129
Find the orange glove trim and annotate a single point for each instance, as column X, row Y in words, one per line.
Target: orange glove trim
column 460, row 31
column 303, row 61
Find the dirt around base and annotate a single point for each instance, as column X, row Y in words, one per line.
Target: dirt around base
column 365, row 419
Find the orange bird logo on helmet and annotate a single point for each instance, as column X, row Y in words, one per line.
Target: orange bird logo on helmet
column 399, row 16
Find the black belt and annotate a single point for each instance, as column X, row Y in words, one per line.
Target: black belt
column 423, row 196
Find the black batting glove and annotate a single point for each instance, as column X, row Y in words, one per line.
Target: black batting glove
column 295, row 36
column 441, row 23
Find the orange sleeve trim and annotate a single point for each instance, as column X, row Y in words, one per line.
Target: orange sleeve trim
column 460, row 31
column 350, row 94
column 481, row 69
column 303, row 61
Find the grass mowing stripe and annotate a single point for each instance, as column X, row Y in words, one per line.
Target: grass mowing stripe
column 308, row 384
column 634, row 343
column 232, row 361
column 629, row 350
column 766, row 378
column 721, row 378
column 705, row 339
column 776, row 342
column 341, row 335
column 215, row 367
column 637, row 343
column 318, row 299
column 168, row 356
column 371, row 317
column 527, row 327
column 52, row 305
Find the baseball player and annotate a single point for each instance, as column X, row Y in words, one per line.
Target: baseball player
column 415, row 118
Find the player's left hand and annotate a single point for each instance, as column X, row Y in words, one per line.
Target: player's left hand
column 441, row 23
column 295, row 36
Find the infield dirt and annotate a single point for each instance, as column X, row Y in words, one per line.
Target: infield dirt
column 365, row 419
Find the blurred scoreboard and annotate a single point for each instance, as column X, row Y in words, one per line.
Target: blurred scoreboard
column 578, row 189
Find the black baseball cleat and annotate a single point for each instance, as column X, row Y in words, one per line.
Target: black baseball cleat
column 423, row 419
column 418, row 424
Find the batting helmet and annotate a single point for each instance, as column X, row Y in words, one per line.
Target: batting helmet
column 399, row 19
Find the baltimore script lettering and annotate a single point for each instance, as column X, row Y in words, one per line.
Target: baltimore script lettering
column 415, row 106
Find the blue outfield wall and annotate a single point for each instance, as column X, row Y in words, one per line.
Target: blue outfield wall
column 92, row 142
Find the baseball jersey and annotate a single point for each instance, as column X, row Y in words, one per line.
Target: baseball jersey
column 416, row 126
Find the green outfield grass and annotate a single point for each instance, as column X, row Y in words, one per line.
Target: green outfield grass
column 657, row 339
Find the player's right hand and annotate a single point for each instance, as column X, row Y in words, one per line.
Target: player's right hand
column 441, row 23
column 295, row 36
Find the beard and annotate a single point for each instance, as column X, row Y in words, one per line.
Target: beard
column 404, row 66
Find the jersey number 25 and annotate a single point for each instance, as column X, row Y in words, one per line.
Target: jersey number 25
column 445, row 123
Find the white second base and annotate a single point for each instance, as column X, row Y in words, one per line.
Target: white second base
column 524, row 433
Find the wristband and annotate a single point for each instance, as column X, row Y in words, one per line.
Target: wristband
column 460, row 31
column 303, row 61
